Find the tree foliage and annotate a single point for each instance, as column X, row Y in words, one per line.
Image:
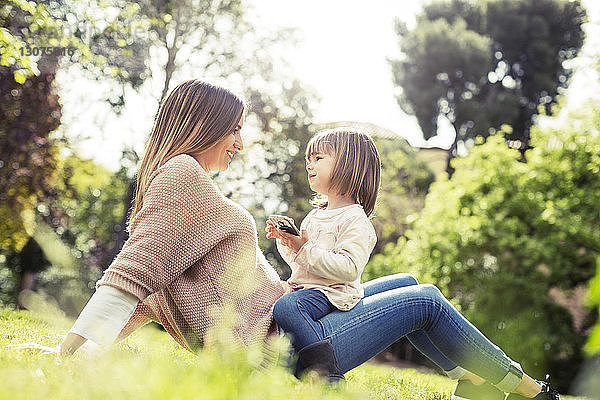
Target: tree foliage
column 28, row 154
column 85, row 214
column 593, row 345
column 487, row 63
column 31, row 167
column 18, row 19
column 405, row 181
column 515, row 244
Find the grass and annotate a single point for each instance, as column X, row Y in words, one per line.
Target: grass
column 150, row 365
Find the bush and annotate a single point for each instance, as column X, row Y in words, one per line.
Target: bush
column 593, row 344
column 514, row 243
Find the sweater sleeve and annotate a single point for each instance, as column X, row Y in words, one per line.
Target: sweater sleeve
column 347, row 260
column 285, row 252
column 105, row 315
column 179, row 222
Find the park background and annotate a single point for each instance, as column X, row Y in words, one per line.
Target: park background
column 485, row 113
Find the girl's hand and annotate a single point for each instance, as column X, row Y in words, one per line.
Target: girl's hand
column 293, row 242
column 272, row 232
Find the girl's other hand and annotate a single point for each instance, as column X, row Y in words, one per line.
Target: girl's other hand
column 293, row 242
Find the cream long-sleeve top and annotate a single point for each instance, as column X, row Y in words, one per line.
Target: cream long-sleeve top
column 192, row 256
column 340, row 242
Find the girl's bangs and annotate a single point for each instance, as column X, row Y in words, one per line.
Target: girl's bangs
column 321, row 144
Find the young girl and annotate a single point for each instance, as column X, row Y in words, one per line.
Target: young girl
column 337, row 237
column 327, row 259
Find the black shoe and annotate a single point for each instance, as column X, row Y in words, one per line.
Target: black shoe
column 547, row 393
column 321, row 358
column 465, row 390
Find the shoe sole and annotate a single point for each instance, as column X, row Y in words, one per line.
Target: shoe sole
column 455, row 397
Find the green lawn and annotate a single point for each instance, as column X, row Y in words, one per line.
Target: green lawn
column 149, row 365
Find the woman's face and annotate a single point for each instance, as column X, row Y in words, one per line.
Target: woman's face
column 218, row 157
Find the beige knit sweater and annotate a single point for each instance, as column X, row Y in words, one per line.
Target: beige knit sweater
column 192, row 254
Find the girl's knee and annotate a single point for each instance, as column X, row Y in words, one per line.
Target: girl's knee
column 408, row 278
column 430, row 290
column 286, row 306
column 283, row 307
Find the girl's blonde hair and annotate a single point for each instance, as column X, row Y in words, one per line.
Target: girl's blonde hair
column 356, row 169
column 193, row 118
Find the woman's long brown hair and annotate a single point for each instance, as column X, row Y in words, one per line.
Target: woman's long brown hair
column 193, row 118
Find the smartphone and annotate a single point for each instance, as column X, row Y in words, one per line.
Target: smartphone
column 284, row 223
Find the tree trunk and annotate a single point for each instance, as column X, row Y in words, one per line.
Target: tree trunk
column 122, row 235
column 451, row 154
column 25, row 285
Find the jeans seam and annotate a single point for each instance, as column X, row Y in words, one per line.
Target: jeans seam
column 309, row 321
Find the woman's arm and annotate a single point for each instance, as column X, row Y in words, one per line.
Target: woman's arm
column 101, row 320
column 71, row 343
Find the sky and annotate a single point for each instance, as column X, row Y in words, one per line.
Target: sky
column 342, row 56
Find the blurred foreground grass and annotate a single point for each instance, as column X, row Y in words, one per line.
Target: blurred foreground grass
column 150, row 365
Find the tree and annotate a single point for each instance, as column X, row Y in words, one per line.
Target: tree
column 484, row 64
column 514, row 244
column 405, row 181
column 28, row 156
column 90, row 199
column 65, row 256
column 593, row 345
column 30, row 112
column 587, row 383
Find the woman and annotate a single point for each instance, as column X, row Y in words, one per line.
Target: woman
column 190, row 248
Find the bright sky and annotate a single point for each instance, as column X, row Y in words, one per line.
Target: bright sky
column 342, row 56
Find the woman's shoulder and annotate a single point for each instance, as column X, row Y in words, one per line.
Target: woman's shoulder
column 182, row 163
column 181, row 169
column 181, row 177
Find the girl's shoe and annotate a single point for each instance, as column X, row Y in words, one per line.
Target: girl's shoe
column 319, row 357
column 465, row 390
column 547, row 393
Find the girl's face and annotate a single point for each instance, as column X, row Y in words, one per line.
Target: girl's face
column 218, row 157
column 319, row 167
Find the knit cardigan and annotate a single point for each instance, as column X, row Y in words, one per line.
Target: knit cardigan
column 193, row 261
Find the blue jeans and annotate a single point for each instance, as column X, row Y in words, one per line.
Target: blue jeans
column 311, row 305
column 394, row 307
